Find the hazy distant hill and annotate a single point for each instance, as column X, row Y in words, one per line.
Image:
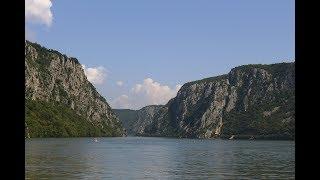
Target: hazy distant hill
column 135, row 121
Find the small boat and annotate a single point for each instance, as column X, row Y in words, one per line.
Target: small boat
column 95, row 140
column 232, row 137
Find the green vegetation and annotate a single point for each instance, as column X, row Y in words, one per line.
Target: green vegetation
column 272, row 68
column 205, row 80
column 45, row 119
column 43, row 50
column 279, row 124
column 128, row 118
column 50, row 115
column 264, row 107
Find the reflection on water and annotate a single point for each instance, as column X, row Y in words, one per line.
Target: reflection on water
column 158, row 158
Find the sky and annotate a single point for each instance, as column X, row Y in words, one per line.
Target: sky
column 140, row 52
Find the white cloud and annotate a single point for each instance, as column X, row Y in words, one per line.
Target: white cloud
column 148, row 92
column 154, row 92
column 95, row 75
column 121, row 102
column 119, row 83
column 29, row 34
column 38, row 11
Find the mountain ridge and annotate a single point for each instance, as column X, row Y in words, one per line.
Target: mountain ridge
column 136, row 120
column 255, row 100
column 53, row 79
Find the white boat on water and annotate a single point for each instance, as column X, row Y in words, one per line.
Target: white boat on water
column 232, row 137
column 95, row 140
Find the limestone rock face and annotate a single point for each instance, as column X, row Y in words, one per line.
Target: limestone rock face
column 53, row 77
column 135, row 121
column 250, row 100
column 144, row 118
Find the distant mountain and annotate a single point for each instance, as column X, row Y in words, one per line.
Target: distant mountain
column 60, row 101
column 251, row 101
column 128, row 118
column 135, row 121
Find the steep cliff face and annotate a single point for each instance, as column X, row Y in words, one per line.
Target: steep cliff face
column 135, row 121
column 145, row 117
column 53, row 78
column 254, row 100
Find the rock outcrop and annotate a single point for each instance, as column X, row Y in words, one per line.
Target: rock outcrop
column 251, row 100
column 52, row 77
column 135, row 121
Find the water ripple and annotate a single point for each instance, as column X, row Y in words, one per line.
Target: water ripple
column 158, row 158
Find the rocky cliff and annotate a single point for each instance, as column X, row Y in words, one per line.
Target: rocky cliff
column 250, row 101
column 135, row 121
column 59, row 98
